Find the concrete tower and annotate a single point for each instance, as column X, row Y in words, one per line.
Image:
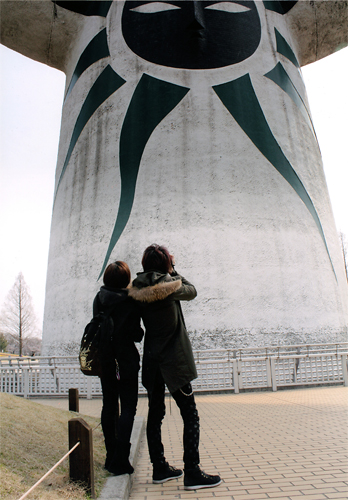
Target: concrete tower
column 187, row 124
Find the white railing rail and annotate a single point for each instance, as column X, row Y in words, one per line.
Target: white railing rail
column 218, row 370
column 233, row 353
column 268, row 351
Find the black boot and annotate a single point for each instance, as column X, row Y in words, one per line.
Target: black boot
column 110, row 446
column 120, row 463
column 163, row 472
column 108, row 460
column 196, row 479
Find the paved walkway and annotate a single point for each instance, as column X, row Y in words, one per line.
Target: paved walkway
column 285, row 445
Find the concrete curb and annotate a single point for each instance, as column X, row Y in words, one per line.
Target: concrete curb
column 118, row 487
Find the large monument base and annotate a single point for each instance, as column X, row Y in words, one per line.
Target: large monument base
column 187, row 124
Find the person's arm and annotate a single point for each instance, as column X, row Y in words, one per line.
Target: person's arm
column 134, row 324
column 186, row 292
column 137, row 331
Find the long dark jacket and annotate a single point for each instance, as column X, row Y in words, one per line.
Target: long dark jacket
column 126, row 331
column 167, row 346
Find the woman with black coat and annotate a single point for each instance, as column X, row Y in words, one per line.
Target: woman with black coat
column 168, row 360
column 120, row 366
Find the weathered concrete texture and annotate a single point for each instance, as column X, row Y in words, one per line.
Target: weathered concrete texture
column 319, row 28
column 240, row 232
column 34, row 29
column 254, row 337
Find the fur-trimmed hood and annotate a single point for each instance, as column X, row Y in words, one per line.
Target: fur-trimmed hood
column 167, row 347
column 159, row 291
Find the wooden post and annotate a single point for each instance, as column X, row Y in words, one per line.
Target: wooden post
column 81, row 459
column 74, row 404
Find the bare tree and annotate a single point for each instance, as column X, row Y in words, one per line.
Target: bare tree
column 3, row 343
column 18, row 321
column 344, row 244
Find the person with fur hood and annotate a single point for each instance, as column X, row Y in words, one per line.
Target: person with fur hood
column 168, row 360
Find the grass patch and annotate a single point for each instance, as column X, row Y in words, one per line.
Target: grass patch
column 33, row 438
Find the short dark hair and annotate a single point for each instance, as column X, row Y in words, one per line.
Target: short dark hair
column 117, row 275
column 158, row 258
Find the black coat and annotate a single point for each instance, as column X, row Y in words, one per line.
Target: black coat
column 126, row 331
column 167, row 346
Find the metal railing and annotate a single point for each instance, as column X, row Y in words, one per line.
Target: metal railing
column 218, row 370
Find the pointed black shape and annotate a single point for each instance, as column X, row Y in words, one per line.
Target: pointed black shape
column 240, row 99
column 152, row 101
column 281, row 7
column 86, row 8
column 284, row 48
column 280, row 77
column 106, row 84
column 96, row 49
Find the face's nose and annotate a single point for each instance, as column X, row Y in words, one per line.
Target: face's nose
column 195, row 13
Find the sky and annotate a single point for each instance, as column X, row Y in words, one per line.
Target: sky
column 31, row 97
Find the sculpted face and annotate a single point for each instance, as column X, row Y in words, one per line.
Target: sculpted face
column 190, row 34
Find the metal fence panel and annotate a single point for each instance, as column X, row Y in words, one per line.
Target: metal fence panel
column 217, row 370
column 318, row 369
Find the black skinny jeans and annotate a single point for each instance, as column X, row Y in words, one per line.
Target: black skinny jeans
column 156, row 414
column 113, row 425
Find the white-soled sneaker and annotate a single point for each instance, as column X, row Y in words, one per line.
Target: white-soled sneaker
column 165, row 473
column 196, row 479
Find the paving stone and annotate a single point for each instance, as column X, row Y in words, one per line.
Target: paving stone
column 284, row 445
column 263, row 443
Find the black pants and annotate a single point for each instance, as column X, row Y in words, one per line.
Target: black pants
column 189, row 414
column 114, row 425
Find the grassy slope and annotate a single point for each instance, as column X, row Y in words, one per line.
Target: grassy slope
column 33, row 438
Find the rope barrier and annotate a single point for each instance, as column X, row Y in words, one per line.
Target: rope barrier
column 49, row 472
column 96, row 427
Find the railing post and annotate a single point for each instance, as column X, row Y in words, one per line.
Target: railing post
column 235, row 376
column 81, row 459
column 240, row 376
column 344, row 369
column 273, row 374
column 25, row 372
column 268, row 372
